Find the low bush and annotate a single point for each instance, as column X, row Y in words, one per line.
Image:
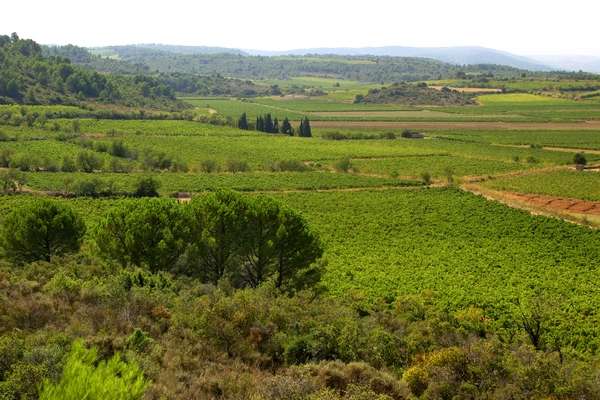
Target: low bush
column 237, row 166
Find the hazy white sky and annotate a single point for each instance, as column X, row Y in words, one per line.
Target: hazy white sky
column 519, row 26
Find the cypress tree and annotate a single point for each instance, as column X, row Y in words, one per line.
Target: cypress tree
column 243, row 122
column 268, row 124
column 260, row 124
column 286, row 127
column 307, row 130
column 275, row 125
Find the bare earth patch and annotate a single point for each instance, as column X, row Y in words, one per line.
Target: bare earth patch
column 574, row 210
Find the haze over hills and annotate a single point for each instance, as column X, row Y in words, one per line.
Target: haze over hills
column 452, row 55
column 460, row 55
column 571, row 63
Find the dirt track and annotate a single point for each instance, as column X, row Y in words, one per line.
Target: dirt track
column 587, row 125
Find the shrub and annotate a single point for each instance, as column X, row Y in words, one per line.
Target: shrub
column 118, row 149
column 426, row 178
column 288, row 165
column 68, row 164
column 532, row 160
column 40, row 230
column 579, row 159
column 87, row 161
column 209, row 166
column 23, row 162
column 5, row 156
column 343, row 165
column 237, row 166
column 388, row 135
column 11, row 180
column 147, row 187
column 335, row 136
column 85, row 378
column 90, row 187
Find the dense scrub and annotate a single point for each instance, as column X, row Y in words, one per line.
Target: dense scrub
column 202, row 342
column 415, row 94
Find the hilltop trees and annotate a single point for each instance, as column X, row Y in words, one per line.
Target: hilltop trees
column 40, row 230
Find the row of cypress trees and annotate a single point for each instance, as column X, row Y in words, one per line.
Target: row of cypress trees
column 266, row 123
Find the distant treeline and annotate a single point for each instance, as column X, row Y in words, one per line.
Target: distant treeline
column 361, row 68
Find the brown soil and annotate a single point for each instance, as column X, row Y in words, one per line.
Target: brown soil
column 573, row 210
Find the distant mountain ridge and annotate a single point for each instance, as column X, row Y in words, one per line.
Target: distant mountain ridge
column 452, row 55
column 459, row 55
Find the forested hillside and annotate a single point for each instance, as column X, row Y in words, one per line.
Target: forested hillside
column 179, row 82
column 27, row 77
column 362, row 68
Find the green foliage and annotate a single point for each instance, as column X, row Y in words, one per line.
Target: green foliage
column 85, row 378
column 88, row 162
column 209, row 166
column 29, row 77
column 11, row 180
column 304, row 129
column 40, row 230
column 251, row 241
column 579, row 159
column 147, row 187
column 243, row 122
column 343, row 165
column 152, row 233
column 236, row 166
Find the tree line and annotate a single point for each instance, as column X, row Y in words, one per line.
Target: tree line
column 266, row 123
column 222, row 235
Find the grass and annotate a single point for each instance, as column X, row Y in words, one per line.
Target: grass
column 438, row 166
column 201, row 182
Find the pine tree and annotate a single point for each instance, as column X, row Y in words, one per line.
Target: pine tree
column 275, row 125
column 243, row 122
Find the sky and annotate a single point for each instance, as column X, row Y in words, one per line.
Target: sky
column 526, row 27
